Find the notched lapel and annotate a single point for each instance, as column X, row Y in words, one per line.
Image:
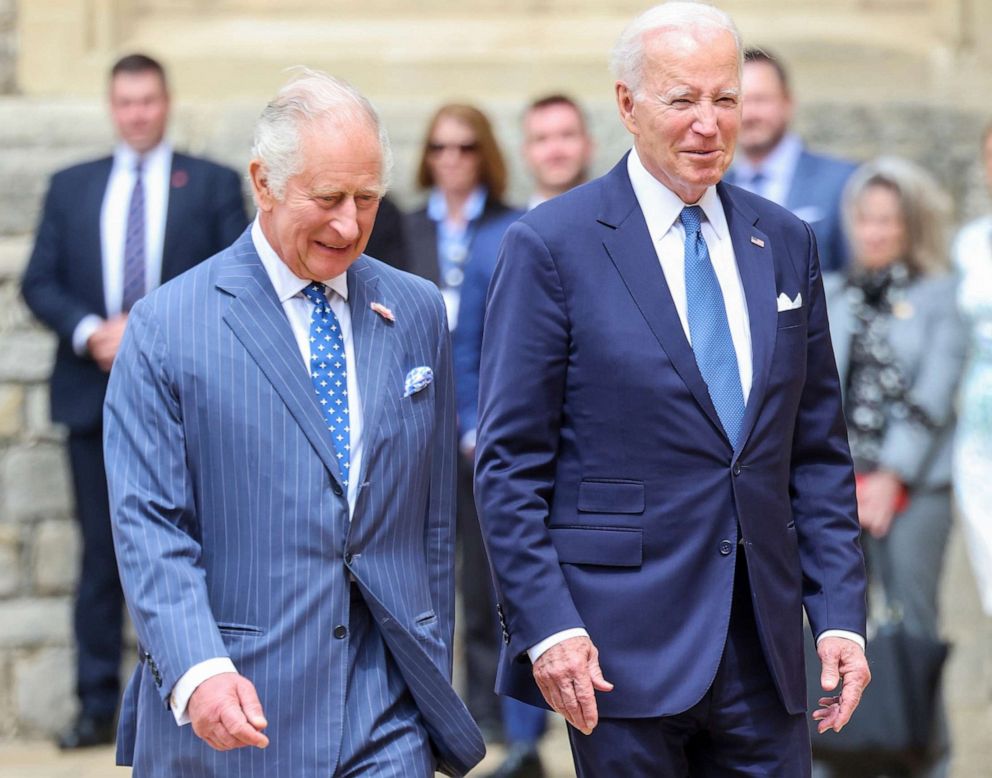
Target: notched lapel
column 629, row 247
column 755, row 263
column 259, row 322
column 374, row 338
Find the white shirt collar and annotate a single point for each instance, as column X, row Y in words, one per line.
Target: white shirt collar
column 125, row 157
column 286, row 283
column 662, row 206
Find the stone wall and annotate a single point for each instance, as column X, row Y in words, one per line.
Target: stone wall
column 38, row 540
column 8, row 46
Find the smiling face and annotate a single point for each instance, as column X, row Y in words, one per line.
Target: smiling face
column 767, row 110
column 686, row 115
column 323, row 221
column 879, row 228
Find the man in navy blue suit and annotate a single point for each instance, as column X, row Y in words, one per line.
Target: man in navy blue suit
column 775, row 164
column 111, row 230
column 663, row 472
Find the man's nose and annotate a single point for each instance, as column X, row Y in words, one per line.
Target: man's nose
column 705, row 123
column 345, row 221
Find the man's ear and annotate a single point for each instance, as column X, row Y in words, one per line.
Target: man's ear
column 625, row 105
column 264, row 199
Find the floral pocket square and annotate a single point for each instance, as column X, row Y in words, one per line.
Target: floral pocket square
column 417, row 379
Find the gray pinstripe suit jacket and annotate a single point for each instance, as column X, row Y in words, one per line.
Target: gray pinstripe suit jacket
column 232, row 530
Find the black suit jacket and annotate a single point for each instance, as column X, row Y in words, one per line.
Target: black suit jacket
column 64, row 278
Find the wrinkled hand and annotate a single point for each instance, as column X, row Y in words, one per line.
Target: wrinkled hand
column 878, row 495
column 226, row 713
column 106, row 340
column 842, row 660
column 568, row 675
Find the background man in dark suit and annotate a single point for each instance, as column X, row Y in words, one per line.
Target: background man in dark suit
column 663, row 473
column 776, row 165
column 111, row 230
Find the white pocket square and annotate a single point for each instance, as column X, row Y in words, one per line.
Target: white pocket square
column 785, row 304
column 417, row 379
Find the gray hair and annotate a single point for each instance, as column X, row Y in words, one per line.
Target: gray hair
column 627, row 59
column 923, row 203
column 306, row 98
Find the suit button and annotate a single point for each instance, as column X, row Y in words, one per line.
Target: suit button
column 340, row 632
column 726, row 547
column 737, row 468
column 347, row 558
column 337, row 489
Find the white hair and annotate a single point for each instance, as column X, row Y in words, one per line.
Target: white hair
column 308, row 97
column 627, row 59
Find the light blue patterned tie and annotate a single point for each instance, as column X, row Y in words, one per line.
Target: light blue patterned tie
column 709, row 330
column 329, row 373
column 134, row 244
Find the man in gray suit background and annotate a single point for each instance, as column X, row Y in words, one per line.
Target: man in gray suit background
column 773, row 162
column 280, row 438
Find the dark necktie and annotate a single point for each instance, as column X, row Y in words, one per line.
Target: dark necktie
column 709, row 329
column 134, row 244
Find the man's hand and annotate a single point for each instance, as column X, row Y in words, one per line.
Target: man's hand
column 878, row 496
column 226, row 713
column 568, row 675
column 105, row 341
column 842, row 660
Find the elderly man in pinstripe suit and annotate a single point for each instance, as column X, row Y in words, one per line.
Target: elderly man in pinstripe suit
column 280, row 441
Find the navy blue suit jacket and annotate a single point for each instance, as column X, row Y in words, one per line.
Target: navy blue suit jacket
column 815, row 196
column 609, row 493
column 64, row 279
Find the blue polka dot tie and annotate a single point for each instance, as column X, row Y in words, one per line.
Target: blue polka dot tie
column 329, row 373
column 709, row 330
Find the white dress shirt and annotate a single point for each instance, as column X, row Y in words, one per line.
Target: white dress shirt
column 661, row 208
column 289, row 289
column 777, row 169
column 156, row 173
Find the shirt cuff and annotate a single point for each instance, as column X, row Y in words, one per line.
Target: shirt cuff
column 86, row 327
column 534, row 652
column 467, row 442
column 841, row 633
column 192, row 678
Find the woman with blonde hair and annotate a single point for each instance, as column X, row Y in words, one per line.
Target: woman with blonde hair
column 899, row 346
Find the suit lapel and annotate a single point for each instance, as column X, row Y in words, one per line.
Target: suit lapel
column 757, row 270
column 90, row 237
column 629, row 247
column 259, row 322
column 176, row 216
column 374, row 339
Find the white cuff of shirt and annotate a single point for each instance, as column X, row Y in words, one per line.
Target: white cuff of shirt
column 550, row 642
column 192, row 678
column 841, row 633
column 467, row 442
column 86, row 327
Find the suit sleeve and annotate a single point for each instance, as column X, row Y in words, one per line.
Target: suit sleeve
column 43, row 285
column 909, row 443
column 152, row 507
column 824, row 506
column 524, row 365
column 440, row 524
column 230, row 217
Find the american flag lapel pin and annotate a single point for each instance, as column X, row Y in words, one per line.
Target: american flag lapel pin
column 758, row 242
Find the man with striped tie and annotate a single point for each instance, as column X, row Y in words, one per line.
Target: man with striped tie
column 662, row 465
column 111, row 230
column 280, row 431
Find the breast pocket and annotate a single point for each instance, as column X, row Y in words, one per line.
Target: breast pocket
column 792, row 318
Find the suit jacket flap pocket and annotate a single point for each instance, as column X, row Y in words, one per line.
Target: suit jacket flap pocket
column 608, row 546
column 613, row 496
